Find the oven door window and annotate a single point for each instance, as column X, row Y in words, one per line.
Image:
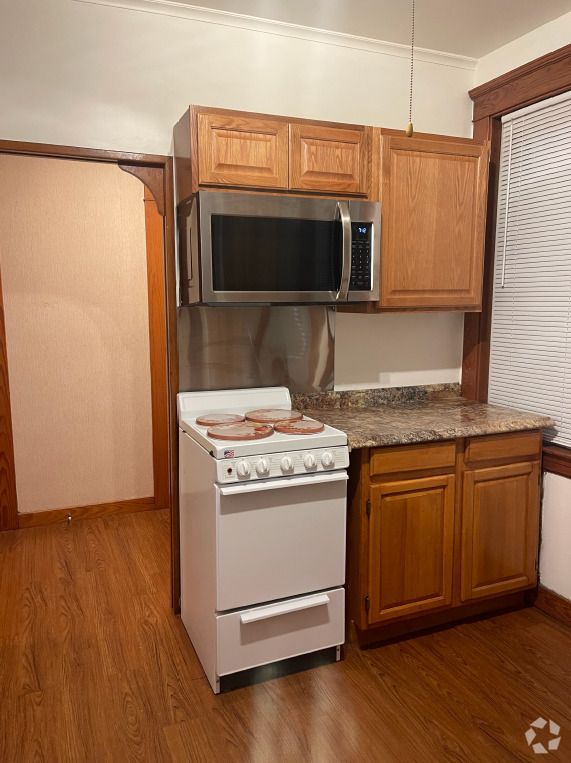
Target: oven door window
column 271, row 254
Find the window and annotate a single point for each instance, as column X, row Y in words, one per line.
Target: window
column 530, row 359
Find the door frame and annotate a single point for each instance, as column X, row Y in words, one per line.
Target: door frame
column 156, row 174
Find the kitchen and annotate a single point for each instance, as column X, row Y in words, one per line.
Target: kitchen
column 371, row 350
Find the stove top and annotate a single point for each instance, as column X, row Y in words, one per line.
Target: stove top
column 193, row 405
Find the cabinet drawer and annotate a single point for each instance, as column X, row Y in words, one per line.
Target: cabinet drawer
column 493, row 447
column 260, row 635
column 404, row 458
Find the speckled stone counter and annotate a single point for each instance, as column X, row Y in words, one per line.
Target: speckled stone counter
column 444, row 417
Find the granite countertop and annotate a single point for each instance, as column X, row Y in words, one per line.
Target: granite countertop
column 369, row 420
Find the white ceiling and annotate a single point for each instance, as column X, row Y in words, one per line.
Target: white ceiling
column 465, row 27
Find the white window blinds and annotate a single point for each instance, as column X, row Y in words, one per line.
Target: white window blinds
column 530, row 363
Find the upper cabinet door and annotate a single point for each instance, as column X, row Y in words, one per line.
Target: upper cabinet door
column 328, row 159
column 242, row 151
column 433, row 195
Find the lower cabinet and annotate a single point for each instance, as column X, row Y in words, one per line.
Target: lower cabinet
column 411, row 543
column 443, row 525
column 500, row 520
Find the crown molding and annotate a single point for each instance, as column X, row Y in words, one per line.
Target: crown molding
column 284, row 29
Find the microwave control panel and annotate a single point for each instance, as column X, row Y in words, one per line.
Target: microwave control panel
column 361, row 255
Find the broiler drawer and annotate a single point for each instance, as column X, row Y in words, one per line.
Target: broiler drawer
column 260, row 635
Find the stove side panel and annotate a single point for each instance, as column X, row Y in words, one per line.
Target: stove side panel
column 254, row 346
column 197, row 475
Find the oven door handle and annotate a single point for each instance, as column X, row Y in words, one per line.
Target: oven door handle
column 279, row 483
column 285, row 608
column 343, row 210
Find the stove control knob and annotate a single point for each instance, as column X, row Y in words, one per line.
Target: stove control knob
column 244, row 469
column 328, row 459
column 286, row 464
column 309, row 460
column 263, row 467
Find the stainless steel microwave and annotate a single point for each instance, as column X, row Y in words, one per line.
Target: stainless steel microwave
column 240, row 248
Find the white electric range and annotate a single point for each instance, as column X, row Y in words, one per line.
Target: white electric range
column 262, row 540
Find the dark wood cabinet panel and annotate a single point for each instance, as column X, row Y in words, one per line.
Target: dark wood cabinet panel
column 411, row 538
column 411, row 458
column 516, row 446
column 441, row 526
column 500, row 529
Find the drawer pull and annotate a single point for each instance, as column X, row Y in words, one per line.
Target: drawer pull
column 283, row 609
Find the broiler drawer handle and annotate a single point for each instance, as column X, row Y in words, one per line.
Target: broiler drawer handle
column 283, row 609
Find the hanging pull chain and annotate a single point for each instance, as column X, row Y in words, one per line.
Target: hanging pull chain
column 409, row 129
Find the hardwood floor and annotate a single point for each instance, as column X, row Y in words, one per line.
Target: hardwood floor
column 95, row 667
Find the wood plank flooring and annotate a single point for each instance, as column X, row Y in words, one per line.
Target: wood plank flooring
column 95, row 667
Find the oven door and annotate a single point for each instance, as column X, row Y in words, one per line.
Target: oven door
column 279, row 249
column 279, row 538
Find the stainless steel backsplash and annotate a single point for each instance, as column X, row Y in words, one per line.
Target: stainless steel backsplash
column 239, row 347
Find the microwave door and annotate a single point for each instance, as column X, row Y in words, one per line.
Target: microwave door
column 274, row 249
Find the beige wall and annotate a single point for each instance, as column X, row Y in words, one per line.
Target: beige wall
column 73, row 260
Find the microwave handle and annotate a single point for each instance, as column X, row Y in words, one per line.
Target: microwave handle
column 343, row 209
column 189, row 272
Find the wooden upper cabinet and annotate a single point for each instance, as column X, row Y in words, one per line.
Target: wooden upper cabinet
column 411, row 544
column 235, row 149
column 242, row 151
column 329, row 159
column 500, row 529
column 433, row 195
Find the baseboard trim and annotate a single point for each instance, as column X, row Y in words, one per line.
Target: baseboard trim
column 37, row 518
column 552, row 604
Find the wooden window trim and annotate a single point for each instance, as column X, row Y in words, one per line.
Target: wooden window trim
column 535, row 81
column 557, row 460
column 156, row 173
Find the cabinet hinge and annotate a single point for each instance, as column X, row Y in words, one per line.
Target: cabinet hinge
column 367, row 603
column 368, row 508
column 536, row 565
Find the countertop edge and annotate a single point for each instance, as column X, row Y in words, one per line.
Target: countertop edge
column 448, row 434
